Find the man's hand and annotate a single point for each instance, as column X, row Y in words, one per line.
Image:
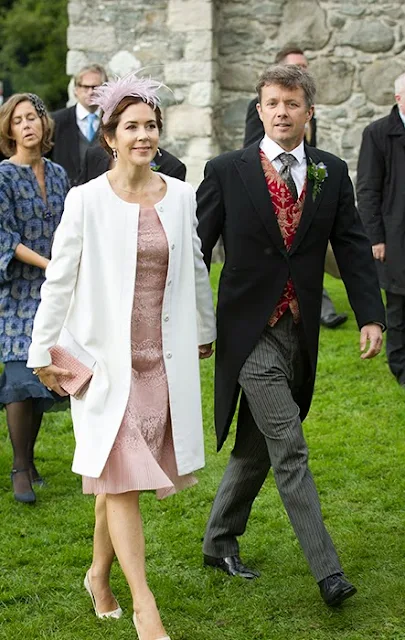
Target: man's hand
column 371, row 333
column 379, row 251
column 49, row 377
column 205, row 351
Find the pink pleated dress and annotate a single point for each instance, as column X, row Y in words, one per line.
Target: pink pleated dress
column 142, row 457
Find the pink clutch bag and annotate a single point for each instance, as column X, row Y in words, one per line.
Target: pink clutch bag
column 77, row 385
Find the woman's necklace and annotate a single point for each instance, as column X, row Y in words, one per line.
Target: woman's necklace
column 138, row 190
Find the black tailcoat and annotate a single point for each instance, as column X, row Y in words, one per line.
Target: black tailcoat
column 381, row 195
column 97, row 161
column 233, row 201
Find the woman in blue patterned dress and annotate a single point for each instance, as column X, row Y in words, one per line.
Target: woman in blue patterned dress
column 32, row 194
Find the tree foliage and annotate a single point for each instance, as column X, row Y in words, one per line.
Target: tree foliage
column 33, row 48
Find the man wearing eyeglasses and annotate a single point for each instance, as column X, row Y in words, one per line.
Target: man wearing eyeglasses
column 76, row 127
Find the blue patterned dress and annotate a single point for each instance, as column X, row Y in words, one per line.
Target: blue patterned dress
column 24, row 218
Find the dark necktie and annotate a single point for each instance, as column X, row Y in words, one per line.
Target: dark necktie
column 287, row 160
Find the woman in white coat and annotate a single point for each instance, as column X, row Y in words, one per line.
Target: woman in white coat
column 127, row 280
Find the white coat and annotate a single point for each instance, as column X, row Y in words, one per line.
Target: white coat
column 89, row 288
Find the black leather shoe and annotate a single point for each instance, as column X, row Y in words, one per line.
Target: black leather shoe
column 333, row 320
column 28, row 497
column 232, row 565
column 335, row 589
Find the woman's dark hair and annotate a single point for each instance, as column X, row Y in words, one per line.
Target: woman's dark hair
column 109, row 128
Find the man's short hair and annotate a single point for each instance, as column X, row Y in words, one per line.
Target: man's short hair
column 399, row 85
column 289, row 76
column 90, row 68
column 286, row 51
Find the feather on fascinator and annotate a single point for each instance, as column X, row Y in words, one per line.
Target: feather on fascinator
column 109, row 94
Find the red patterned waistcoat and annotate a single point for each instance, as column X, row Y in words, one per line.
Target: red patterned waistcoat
column 288, row 215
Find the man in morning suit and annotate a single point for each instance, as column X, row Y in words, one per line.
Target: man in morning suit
column 76, row 127
column 98, row 161
column 381, row 203
column 276, row 209
column 291, row 54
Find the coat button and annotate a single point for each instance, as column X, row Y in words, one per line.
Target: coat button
column 166, row 317
column 168, row 354
column 172, row 247
column 169, row 283
column 160, row 208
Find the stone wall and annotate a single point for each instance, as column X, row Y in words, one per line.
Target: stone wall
column 355, row 50
column 210, row 53
column 173, row 41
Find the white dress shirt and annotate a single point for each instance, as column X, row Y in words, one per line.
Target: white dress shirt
column 81, row 119
column 298, row 170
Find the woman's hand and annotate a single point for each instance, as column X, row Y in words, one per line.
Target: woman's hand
column 49, row 377
column 28, row 256
column 205, row 351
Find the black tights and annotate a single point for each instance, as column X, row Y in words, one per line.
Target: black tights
column 23, row 426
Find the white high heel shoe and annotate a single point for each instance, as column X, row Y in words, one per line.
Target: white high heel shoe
column 136, row 628
column 117, row 613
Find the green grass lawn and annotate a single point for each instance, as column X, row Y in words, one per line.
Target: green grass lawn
column 355, row 432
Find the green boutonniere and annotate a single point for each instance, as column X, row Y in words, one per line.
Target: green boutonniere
column 317, row 173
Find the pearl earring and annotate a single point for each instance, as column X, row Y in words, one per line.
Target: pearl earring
column 159, row 153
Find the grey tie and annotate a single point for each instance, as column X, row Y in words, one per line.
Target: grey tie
column 287, row 160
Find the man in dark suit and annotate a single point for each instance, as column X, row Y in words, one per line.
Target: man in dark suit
column 76, row 127
column 276, row 205
column 381, row 202
column 292, row 54
column 98, row 161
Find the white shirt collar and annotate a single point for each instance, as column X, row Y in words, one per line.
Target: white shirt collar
column 272, row 150
column 402, row 116
column 82, row 113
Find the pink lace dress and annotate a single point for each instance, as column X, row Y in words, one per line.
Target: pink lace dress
column 142, row 456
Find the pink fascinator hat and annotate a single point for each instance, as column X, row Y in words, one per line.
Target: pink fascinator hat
column 109, row 94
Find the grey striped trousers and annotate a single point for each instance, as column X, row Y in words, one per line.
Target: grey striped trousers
column 270, row 433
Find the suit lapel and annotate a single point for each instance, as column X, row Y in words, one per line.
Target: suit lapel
column 310, row 205
column 250, row 170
